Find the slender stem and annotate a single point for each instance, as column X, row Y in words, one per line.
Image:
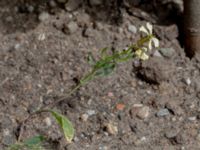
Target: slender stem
column 47, row 107
column 85, row 80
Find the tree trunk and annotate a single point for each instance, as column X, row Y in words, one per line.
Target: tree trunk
column 192, row 27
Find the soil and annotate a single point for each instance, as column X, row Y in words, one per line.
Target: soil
column 151, row 105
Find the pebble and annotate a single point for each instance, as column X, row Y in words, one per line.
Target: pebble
column 30, row 8
column 72, row 5
column 9, row 19
column 96, row 2
column 188, row 81
column 162, row 112
column 17, row 46
column 132, row 28
column 91, row 112
column 193, row 118
column 52, row 3
column 7, row 137
column 111, row 128
column 8, row 140
column 137, row 105
column 143, row 112
column 157, row 54
column 167, row 52
column 84, row 117
column 103, row 147
column 48, row 121
column 171, row 133
column 110, row 94
column 41, row 37
column 43, row 16
column 88, row 33
column 61, row 1
column 71, row 27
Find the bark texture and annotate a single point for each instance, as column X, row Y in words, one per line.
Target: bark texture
column 192, row 27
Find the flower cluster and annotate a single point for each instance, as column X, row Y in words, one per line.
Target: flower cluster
column 141, row 51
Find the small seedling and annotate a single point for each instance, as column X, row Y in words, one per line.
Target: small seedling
column 100, row 68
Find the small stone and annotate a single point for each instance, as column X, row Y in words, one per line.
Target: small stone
column 88, row 32
column 110, row 94
column 157, row 54
column 156, row 70
column 137, row 105
column 41, row 37
column 132, row 29
column 43, row 16
column 120, row 106
column 187, row 81
column 167, row 52
column 61, row 1
column 143, row 112
column 171, row 134
column 174, row 108
column 6, row 132
column 162, row 112
column 84, row 117
column 71, row 27
column 91, row 112
column 72, row 5
column 198, row 137
column 48, row 121
column 96, row 2
column 17, row 46
column 9, row 19
column 30, row 8
column 102, row 147
column 99, row 25
column 111, row 128
column 193, row 118
column 52, row 4
column 120, row 30
column 8, row 140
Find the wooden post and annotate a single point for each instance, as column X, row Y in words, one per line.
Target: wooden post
column 192, row 27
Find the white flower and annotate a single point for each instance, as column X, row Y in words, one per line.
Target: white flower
column 141, row 53
column 149, row 31
column 155, row 41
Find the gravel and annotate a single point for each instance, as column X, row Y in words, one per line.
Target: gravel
column 43, row 16
column 132, row 28
column 162, row 113
column 96, row 2
column 143, row 112
column 71, row 27
column 167, row 52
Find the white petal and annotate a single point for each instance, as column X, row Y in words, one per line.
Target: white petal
column 143, row 29
column 155, row 42
column 150, row 27
column 138, row 52
column 144, row 56
column 150, row 44
column 144, row 49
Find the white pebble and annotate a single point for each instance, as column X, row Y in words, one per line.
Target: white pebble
column 48, row 121
column 41, row 37
column 91, row 112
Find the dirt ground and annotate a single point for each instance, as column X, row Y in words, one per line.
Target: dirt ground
column 43, row 49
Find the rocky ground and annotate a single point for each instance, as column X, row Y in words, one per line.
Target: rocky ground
column 144, row 105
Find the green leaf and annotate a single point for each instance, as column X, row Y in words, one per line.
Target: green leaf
column 103, row 52
column 65, row 124
column 90, row 59
column 106, row 70
column 34, row 140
